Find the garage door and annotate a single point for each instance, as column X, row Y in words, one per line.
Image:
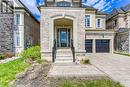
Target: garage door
column 88, row 46
column 102, row 46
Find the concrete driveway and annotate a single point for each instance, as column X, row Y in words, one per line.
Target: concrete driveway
column 115, row 66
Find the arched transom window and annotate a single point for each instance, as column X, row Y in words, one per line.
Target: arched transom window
column 63, row 4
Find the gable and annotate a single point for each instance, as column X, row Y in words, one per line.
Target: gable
column 17, row 3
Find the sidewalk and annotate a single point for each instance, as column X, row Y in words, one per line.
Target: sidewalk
column 8, row 60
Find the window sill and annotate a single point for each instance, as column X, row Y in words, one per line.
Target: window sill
column 88, row 27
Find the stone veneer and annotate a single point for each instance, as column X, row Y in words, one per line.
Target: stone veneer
column 122, row 42
column 48, row 15
column 6, row 33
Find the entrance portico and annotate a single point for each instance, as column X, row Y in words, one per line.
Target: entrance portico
column 62, row 25
column 63, row 32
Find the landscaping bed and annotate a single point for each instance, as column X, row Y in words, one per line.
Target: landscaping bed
column 36, row 76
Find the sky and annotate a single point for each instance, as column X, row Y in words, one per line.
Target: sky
column 102, row 5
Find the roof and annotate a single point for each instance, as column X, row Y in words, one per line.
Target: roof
column 89, row 7
column 120, row 30
column 126, row 8
column 119, row 11
column 86, row 7
column 101, row 13
column 27, row 11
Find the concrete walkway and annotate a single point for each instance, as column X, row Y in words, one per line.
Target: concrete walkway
column 115, row 66
column 75, row 70
column 8, row 60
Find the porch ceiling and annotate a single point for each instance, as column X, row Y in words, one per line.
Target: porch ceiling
column 62, row 21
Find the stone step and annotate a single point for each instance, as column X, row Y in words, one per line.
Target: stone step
column 64, row 57
column 64, row 52
column 64, row 64
column 64, row 60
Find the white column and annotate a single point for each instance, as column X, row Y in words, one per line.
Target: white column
column 129, row 41
column 94, row 46
column 111, row 45
column 75, row 35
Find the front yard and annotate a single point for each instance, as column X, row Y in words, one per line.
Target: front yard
column 89, row 83
column 36, row 74
column 9, row 70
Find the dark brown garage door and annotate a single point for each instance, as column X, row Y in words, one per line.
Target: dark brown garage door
column 88, row 46
column 102, row 46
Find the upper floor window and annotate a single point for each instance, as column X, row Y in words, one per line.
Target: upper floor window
column 63, row 4
column 115, row 23
column 6, row 7
column 17, row 19
column 87, row 21
column 99, row 23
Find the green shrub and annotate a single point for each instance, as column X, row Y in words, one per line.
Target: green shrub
column 32, row 52
column 85, row 61
column 2, row 56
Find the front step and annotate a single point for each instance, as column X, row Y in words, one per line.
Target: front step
column 64, row 56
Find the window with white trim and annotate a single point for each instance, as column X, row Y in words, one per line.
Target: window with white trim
column 17, row 19
column 87, row 21
column 17, row 39
column 99, row 23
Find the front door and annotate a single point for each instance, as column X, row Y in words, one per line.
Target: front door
column 63, row 37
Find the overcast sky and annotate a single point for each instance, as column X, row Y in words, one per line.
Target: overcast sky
column 102, row 5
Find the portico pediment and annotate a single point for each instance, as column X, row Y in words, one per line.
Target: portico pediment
column 56, row 16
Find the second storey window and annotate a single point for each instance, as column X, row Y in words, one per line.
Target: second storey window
column 87, row 21
column 63, row 4
column 17, row 19
column 99, row 23
column 4, row 7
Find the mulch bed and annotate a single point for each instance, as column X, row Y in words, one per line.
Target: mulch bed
column 36, row 76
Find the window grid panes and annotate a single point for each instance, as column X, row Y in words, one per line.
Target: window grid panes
column 98, row 23
column 17, row 39
column 87, row 21
column 63, row 4
column 17, row 19
column 4, row 7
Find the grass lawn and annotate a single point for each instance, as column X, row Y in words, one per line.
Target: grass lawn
column 92, row 83
column 122, row 54
column 9, row 70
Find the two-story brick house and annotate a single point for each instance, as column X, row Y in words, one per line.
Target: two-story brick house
column 68, row 24
column 119, row 20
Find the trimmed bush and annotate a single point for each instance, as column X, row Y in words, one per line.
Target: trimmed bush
column 32, row 53
column 85, row 61
column 2, row 56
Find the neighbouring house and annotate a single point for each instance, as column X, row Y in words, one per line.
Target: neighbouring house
column 119, row 20
column 6, row 26
column 70, row 29
column 19, row 29
column 26, row 28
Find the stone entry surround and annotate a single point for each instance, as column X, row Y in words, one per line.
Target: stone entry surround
column 48, row 15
